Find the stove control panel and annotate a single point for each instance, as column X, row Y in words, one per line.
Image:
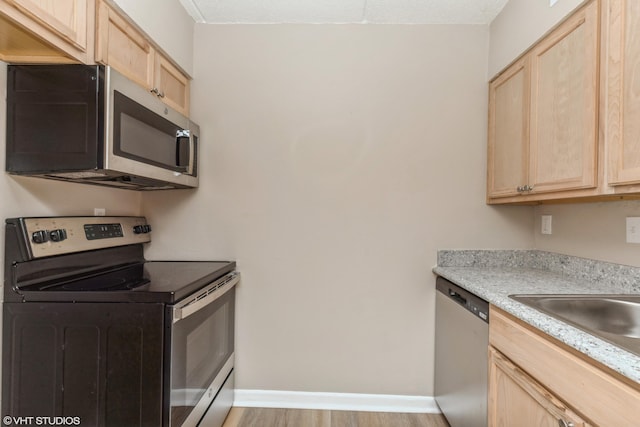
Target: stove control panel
column 104, row 231
column 61, row 235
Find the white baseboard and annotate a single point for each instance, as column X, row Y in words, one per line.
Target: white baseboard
column 335, row 401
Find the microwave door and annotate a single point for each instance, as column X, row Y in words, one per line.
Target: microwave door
column 142, row 147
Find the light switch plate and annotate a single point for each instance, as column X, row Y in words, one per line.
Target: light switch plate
column 633, row 229
column 546, row 224
column 552, row 2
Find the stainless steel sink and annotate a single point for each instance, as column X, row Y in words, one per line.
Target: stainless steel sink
column 614, row 318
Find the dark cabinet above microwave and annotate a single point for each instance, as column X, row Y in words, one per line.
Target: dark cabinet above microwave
column 90, row 124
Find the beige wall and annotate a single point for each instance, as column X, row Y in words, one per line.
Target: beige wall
column 592, row 230
column 336, row 160
column 21, row 196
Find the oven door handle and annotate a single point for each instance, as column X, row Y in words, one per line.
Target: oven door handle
column 205, row 296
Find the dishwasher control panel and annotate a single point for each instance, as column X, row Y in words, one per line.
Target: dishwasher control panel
column 471, row 302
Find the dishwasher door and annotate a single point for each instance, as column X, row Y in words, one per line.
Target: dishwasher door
column 461, row 347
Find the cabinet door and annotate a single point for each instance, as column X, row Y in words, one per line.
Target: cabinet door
column 98, row 361
column 172, row 85
column 508, row 148
column 623, row 101
column 46, row 30
column 516, row 399
column 121, row 46
column 564, row 100
column 67, row 18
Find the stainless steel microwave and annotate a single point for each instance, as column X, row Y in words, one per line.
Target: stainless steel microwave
column 90, row 124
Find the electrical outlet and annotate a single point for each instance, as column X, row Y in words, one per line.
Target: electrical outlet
column 546, row 224
column 99, row 211
column 633, row 229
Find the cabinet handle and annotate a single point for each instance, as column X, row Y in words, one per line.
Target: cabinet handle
column 528, row 188
column 563, row 423
column 157, row 92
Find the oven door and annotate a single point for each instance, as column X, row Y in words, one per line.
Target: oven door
column 202, row 345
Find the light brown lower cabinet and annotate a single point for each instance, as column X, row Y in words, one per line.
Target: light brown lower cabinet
column 535, row 380
column 516, row 399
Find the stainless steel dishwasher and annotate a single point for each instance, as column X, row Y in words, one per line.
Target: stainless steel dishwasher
column 462, row 339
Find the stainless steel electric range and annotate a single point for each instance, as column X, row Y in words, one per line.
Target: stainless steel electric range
column 95, row 334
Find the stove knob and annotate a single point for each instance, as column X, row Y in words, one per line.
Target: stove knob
column 58, row 235
column 40, row 236
column 141, row 229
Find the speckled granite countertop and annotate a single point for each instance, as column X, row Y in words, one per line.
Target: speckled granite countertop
column 494, row 275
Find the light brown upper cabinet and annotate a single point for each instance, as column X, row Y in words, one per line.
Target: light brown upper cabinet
column 89, row 31
column 172, row 86
column 564, row 105
column 508, row 155
column 543, row 116
column 123, row 47
column 46, row 31
column 623, row 100
column 119, row 45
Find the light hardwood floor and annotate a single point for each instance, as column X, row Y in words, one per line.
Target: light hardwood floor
column 263, row 417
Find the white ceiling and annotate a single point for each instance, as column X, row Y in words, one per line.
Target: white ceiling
column 344, row 11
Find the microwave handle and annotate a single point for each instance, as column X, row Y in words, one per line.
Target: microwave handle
column 192, row 153
column 180, row 135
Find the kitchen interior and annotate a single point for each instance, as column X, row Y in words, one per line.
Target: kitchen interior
column 343, row 164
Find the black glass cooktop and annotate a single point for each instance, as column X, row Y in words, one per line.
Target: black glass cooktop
column 151, row 281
